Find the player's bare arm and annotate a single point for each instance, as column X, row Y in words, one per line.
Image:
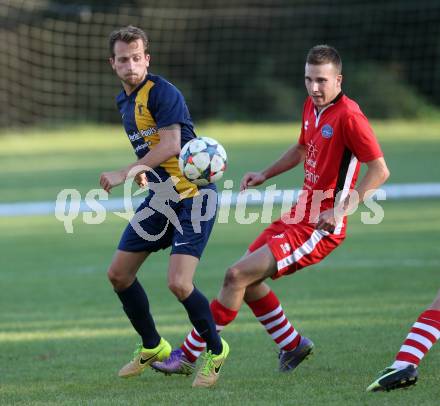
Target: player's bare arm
column 291, row 158
column 377, row 173
column 168, row 146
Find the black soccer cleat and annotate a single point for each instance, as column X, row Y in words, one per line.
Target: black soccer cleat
column 391, row 378
column 289, row 360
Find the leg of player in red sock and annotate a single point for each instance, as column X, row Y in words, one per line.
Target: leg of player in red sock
column 183, row 359
column 268, row 311
column 422, row 336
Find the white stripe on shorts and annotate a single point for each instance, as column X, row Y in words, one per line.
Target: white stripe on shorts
column 305, row 249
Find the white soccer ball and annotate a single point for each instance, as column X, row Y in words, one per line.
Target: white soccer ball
column 202, row 161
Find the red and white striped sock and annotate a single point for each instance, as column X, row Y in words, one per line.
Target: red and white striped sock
column 422, row 336
column 194, row 345
column 270, row 314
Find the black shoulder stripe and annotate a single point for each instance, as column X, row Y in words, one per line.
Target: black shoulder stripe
column 343, row 169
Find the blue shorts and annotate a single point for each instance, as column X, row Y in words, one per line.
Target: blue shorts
column 185, row 225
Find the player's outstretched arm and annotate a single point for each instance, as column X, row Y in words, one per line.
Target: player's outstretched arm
column 291, row 158
column 168, row 146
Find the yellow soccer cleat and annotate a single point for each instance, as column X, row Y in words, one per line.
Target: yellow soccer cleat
column 144, row 357
column 209, row 372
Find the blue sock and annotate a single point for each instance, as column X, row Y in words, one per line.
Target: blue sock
column 136, row 307
column 197, row 307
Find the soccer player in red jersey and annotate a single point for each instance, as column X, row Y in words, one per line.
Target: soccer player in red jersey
column 335, row 139
column 422, row 336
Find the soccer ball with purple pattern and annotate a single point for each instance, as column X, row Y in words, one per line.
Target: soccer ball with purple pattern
column 202, row 161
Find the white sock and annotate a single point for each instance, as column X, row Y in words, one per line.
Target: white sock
column 401, row 365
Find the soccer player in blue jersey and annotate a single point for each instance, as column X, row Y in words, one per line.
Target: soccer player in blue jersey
column 157, row 122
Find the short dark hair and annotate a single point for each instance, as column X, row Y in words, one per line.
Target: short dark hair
column 322, row 54
column 127, row 34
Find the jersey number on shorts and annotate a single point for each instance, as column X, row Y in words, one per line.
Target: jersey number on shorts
column 285, row 247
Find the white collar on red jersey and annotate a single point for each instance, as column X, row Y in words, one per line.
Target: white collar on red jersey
column 319, row 114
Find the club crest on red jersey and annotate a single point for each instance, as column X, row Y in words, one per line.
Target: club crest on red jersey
column 327, row 131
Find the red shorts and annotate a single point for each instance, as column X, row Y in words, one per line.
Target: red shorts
column 296, row 246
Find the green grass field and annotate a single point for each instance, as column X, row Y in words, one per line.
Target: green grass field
column 36, row 165
column 63, row 335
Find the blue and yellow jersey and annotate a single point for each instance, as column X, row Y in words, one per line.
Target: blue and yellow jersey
column 155, row 104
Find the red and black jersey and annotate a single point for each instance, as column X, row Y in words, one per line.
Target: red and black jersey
column 337, row 140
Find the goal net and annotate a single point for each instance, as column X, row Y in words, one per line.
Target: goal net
column 232, row 59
